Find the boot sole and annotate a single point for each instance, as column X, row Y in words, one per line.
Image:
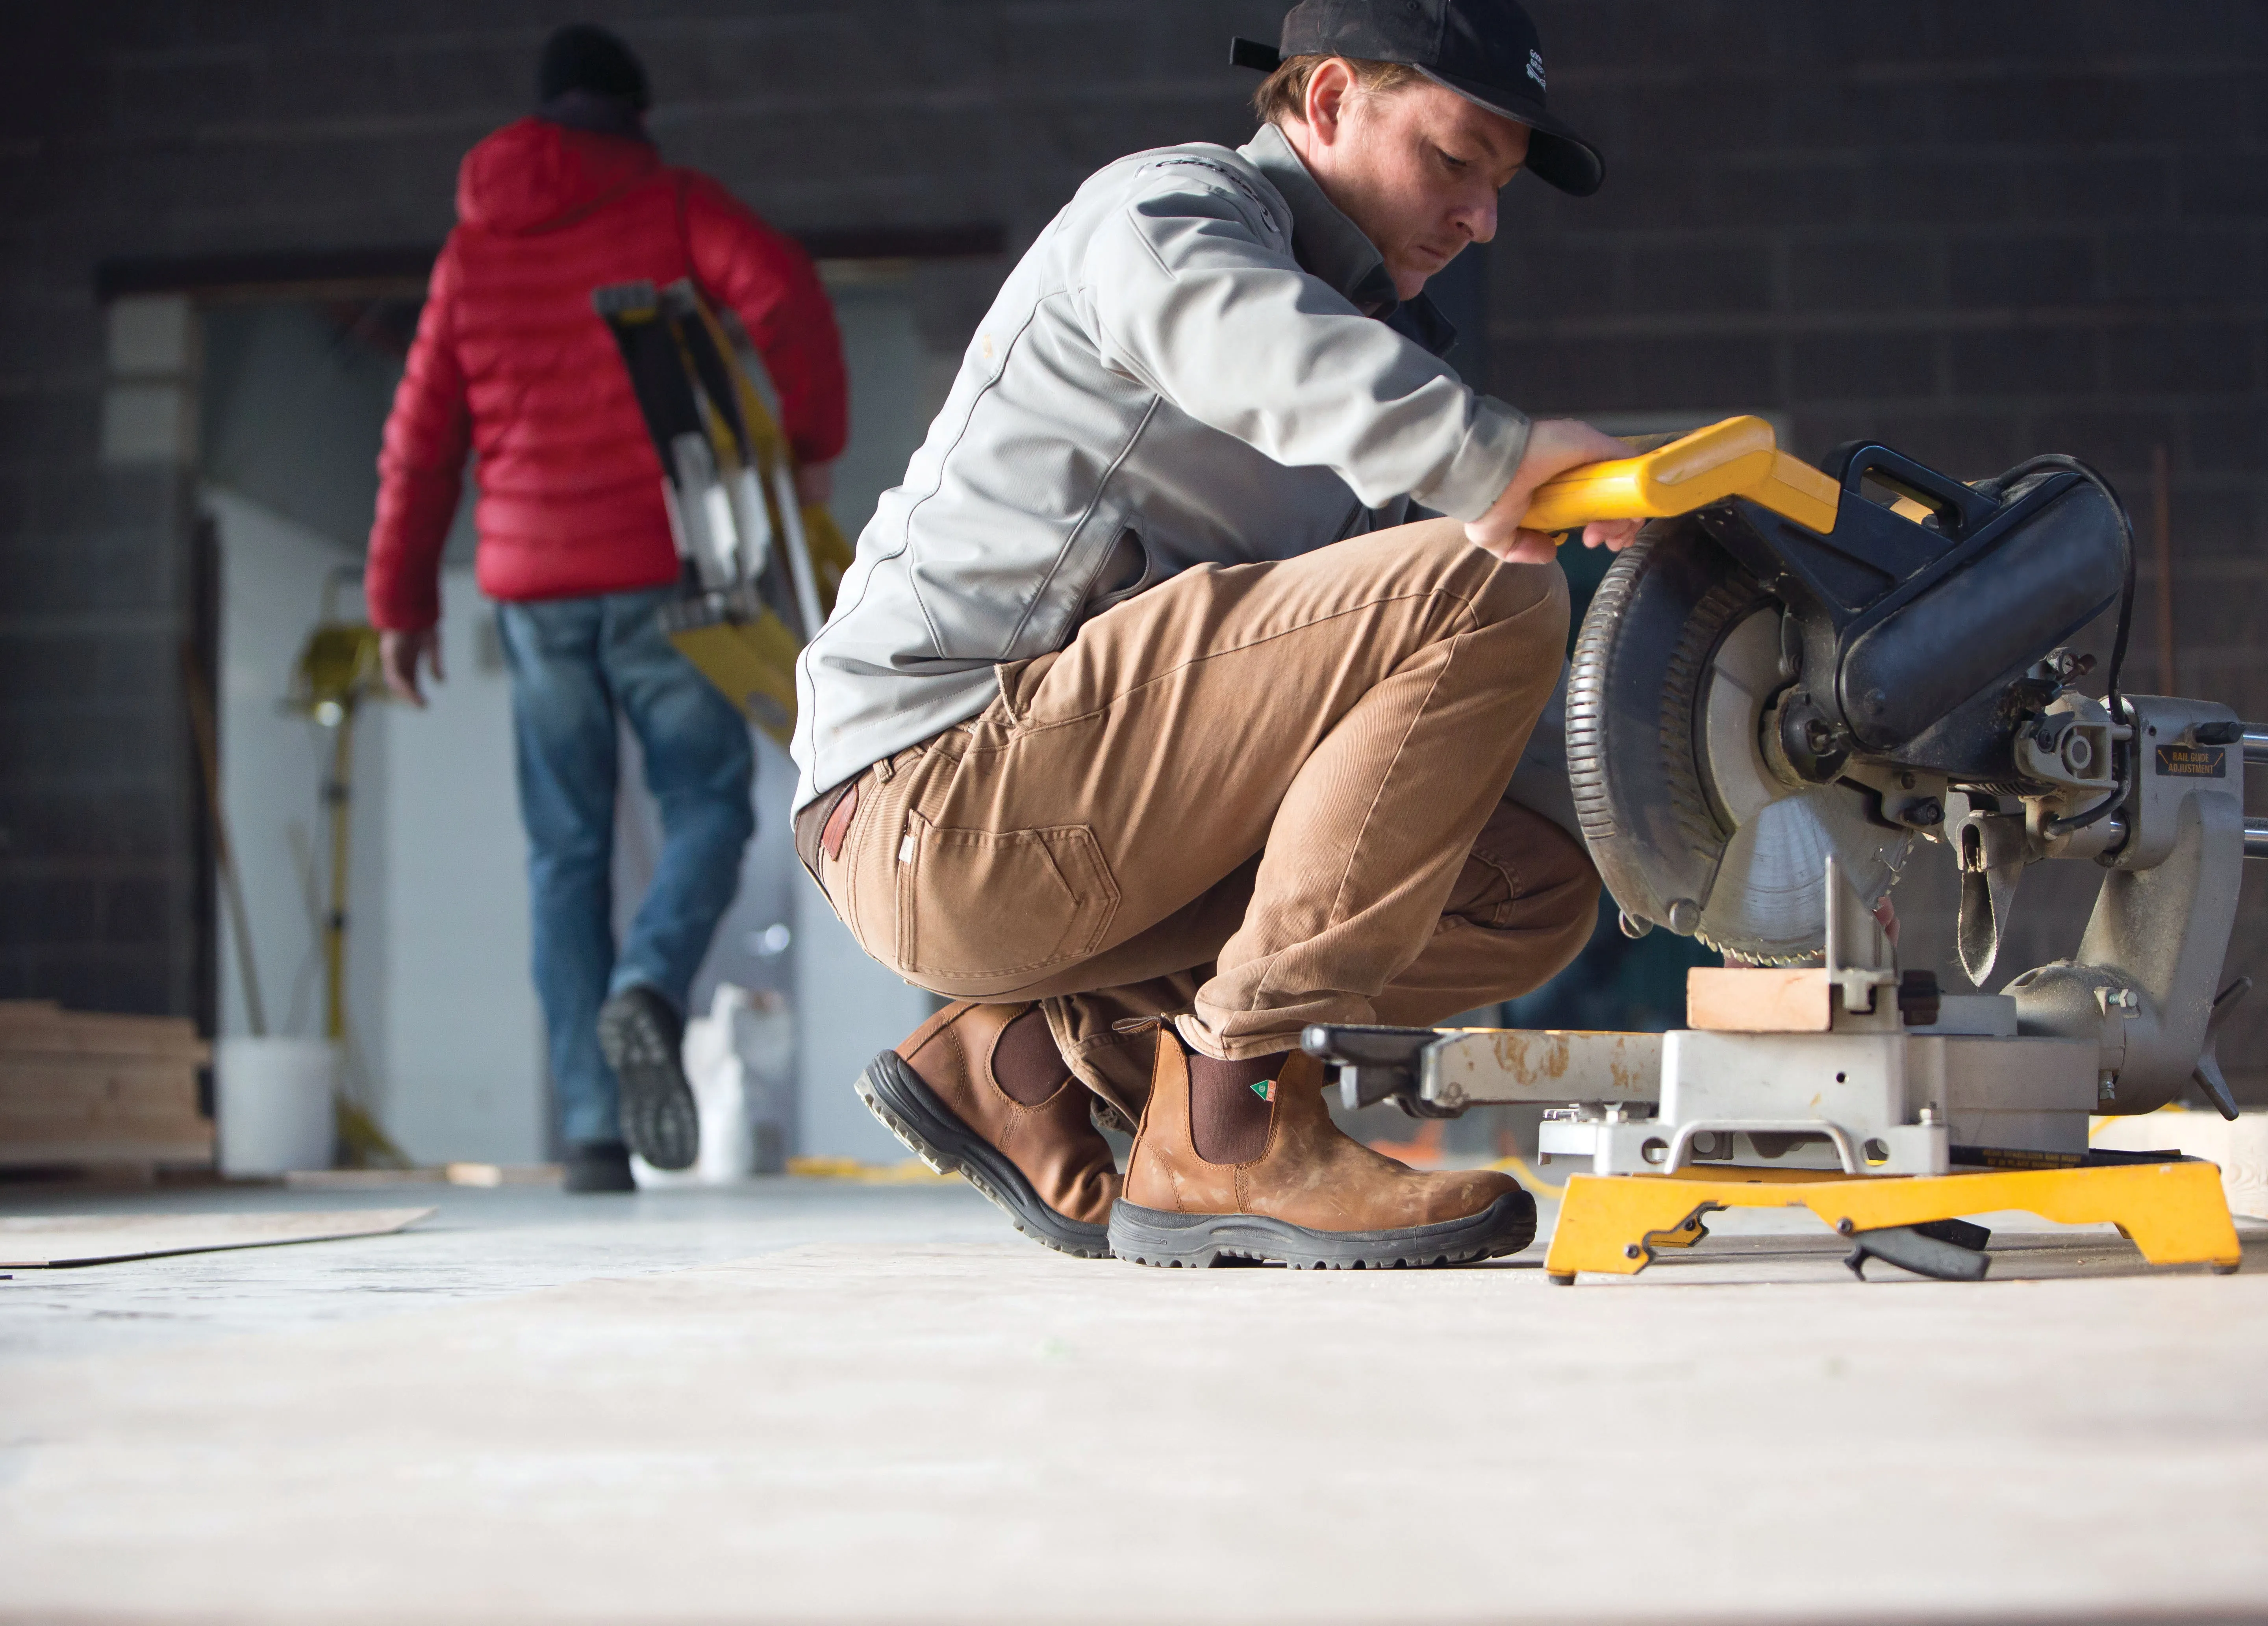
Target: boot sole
column 933, row 1132
column 1150, row 1236
column 659, row 1120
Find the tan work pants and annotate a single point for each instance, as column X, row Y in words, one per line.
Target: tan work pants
column 1253, row 797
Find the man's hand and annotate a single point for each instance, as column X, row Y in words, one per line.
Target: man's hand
column 1554, row 446
column 398, row 655
column 814, row 483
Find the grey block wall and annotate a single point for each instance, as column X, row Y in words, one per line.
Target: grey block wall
column 97, row 792
column 1975, row 230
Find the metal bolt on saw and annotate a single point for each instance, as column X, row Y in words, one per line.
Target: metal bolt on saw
column 1789, row 680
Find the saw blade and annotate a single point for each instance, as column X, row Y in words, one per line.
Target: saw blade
column 1768, row 901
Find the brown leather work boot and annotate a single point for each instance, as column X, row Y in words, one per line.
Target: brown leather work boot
column 1315, row 1197
column 1045, row 1165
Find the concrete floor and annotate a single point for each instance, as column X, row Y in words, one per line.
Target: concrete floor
column 808, row 1400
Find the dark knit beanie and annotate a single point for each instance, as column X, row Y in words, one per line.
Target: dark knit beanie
column 583, row 56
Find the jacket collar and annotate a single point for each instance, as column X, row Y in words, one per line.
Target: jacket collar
column 1332, row 248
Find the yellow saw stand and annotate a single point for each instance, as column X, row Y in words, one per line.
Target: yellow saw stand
column 2175, row 1212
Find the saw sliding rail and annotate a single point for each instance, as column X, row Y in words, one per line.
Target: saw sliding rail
column 2255, row 752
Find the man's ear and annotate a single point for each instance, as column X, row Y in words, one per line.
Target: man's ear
column 1329, row 88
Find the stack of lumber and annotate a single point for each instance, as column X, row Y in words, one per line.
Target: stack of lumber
column 76, row 1088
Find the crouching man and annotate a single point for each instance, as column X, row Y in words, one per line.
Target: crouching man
column 1142, row 712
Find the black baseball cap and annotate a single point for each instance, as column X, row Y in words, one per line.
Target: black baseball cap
column 1485, row 50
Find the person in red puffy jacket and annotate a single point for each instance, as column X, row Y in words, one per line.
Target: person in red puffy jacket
column 512, row 365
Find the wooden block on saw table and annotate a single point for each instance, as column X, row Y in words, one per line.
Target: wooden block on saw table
column 1758, row 999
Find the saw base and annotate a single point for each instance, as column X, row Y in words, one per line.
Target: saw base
column 2176, row 1213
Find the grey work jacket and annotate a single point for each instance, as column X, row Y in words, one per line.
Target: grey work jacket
column 1189, row 366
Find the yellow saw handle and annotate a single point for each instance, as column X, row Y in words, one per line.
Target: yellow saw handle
column 1739, row 457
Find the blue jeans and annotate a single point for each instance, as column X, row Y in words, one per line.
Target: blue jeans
column 577, row 663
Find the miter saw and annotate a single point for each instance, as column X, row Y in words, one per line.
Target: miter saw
column 1792, row 680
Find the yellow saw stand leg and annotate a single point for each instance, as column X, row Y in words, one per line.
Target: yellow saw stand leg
column 2175, row 1212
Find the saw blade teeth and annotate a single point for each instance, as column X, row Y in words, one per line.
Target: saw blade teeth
column 1770, row 962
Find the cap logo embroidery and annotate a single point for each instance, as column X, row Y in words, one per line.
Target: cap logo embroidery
column 1535, row 69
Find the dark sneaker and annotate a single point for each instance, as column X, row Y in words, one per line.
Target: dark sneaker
column 643, row 1037
column 600, row 1165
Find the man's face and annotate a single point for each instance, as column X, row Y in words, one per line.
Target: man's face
column 1418, row 168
